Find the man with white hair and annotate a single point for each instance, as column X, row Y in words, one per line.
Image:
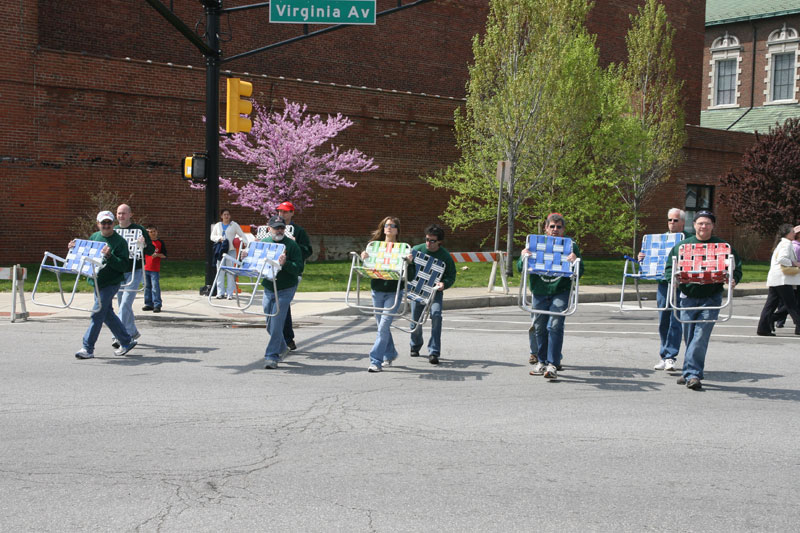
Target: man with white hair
column 669, row 329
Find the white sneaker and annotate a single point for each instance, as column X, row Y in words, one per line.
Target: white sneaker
column 387, row 363
column 661, row 365
column 83, row 353
column 538, row 369
column 374, row 368
column 669, row 365
column 551, row 373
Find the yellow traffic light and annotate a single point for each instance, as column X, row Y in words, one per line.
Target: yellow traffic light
column 237, row 106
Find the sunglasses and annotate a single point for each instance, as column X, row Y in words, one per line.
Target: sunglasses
column 106, row 222
column 390, row 226
column 431, row 240
column 673, row 219
column 553, row 226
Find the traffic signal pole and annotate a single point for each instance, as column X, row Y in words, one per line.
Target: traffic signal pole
column 212, row 136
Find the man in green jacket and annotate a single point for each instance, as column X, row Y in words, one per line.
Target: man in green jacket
column 550, row 294
column 434, row 236
column 115, row 264
column 696, row 336
column 297, row 234
column 286, row 282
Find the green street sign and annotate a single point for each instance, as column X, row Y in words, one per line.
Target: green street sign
column 322, row 11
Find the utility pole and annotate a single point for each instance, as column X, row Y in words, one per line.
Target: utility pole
column 213, row 8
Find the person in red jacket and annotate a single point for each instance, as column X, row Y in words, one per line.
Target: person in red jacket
column 152, row 272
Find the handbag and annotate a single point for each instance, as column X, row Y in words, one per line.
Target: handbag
column 790, row 270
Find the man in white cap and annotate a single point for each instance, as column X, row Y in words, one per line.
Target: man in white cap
column 115, row 264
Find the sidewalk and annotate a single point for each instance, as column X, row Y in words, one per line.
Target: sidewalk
column 189, row 305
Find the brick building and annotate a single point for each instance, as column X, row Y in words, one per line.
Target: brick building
column 750, row 61
column 106, row 94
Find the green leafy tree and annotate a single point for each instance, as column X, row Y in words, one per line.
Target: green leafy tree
column 532, row 100
column 643, row 124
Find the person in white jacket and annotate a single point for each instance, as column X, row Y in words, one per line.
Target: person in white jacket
column 782, row 277
column 226, row 229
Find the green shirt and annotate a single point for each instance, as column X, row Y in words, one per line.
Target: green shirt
column 292, row 268
column 148, row 243
column 115, row 264
column 546, row 285
column 697, row 290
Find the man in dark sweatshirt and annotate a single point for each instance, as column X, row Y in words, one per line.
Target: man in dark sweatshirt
column 434, row 236
column 286, row 282
column 115, row 264
column 696, row 336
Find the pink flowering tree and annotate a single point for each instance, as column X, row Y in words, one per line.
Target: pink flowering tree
column 286, row 148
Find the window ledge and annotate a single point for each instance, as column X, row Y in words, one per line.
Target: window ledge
column 724, row 106
column 781, row 102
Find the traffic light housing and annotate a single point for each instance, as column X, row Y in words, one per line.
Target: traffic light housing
column 194, row 167
column 237, row 106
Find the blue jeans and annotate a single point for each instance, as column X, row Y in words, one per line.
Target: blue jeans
column 669, row 329
column 125, row 298
column 696, row 336
column 276, row 345
column 549, row 328
column 152, row 289
column 227, row 278
column 435, row 342
column 383, row 349
column 105, row 315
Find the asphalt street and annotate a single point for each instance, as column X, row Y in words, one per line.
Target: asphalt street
column 190, row 432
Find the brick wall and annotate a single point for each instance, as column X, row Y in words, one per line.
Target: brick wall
column 91, row 99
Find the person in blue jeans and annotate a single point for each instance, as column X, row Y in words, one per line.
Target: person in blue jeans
column 385, row 297
column 549, row 294
column 152, row 272
column 115, row 264
column 434, row 236
column 669, row 329
column 291, row 262
column 696, row 336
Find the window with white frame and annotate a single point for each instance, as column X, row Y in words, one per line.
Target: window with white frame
column 724, row 84
column 781, row 80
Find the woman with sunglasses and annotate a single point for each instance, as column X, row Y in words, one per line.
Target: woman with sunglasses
column 384, row 293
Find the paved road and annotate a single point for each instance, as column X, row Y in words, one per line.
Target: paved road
column 191, row 433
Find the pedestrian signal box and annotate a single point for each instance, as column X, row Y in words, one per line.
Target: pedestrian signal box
column 194, row 167
column 238, row 106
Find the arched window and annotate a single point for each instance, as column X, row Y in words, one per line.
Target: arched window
column 782, row 50
column 724, row 83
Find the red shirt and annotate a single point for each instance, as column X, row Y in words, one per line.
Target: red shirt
column 153, row 264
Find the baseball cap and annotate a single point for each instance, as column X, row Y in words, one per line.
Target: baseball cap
column 285, row 206
column 706, row 214
column 276, row 222
column 105, row 215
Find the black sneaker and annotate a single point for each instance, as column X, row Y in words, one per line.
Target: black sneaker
column 115, row 344
column 414, row 353
column 694, row 384
column 157, row 310
column 433, row 359
column 147, row 308
column 291, row 345
column 681, row 380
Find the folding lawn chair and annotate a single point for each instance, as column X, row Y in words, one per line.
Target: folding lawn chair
column 385, row 260
column 703, row 264
column 261, row 262
column 548, row 259
column 135, row 253
column 84, row 259
column 422, row 289
column 656, row 248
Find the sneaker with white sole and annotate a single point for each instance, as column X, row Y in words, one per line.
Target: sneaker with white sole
column 83, row 353
column 386, row 363
column 373, row 368
column 125, row 349
column 669, row 365
column 538, row 369
column 271, row 363
column 551, row 372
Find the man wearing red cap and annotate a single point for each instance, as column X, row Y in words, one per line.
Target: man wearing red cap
column 298, row 235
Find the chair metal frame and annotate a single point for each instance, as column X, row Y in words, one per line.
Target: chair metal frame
column 135, row 254
column 422, row 289
column 84, row 259
column 385, row 260
column 656, row 247
column 703, row 276
column 261, row 262
column 549, row 252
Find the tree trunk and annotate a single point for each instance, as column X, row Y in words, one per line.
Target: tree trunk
column 510, row 241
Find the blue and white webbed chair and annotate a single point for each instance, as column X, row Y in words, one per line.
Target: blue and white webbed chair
column 422, row 289
column 84, row 259
column 547, row 258
column 260, row 263
column 656, row 248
